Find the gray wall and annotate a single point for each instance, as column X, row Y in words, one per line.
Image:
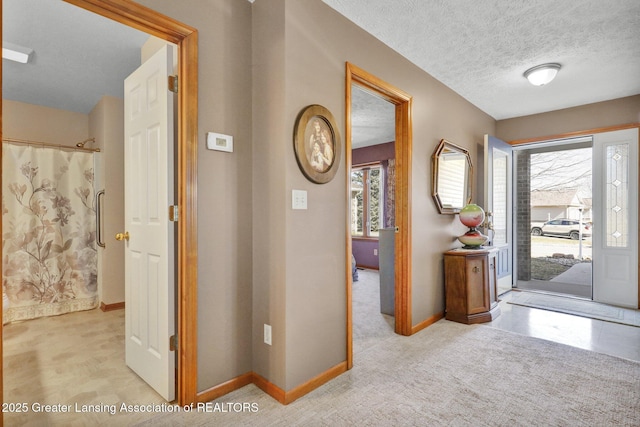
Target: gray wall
column 260, row 64
column 591, row 116
column 224, row 184
column 269, row 189
column 300, row 50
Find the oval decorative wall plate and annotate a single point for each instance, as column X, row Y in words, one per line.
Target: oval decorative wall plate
column 316, row 143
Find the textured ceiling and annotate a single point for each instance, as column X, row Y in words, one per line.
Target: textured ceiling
column 480, row 49
column 373, row 119
column 78, row 56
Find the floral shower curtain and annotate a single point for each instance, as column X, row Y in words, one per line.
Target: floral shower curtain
column 49, row 254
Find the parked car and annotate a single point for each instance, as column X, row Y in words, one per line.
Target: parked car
column 561, row 227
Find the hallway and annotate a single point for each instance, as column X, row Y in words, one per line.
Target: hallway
column 44, row 363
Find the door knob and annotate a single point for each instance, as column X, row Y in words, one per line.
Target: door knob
column 122, row 236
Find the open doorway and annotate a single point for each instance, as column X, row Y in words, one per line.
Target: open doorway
column 558, row 191
column 372, row 215
column 402, row 222
column 609, row 219
column 133, row 15
column 76, row 275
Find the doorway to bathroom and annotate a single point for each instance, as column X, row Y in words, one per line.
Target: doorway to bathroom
column 131, row 14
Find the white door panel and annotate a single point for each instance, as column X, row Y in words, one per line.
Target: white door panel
column 615, row 232
column 149, row 262
column 498, row 206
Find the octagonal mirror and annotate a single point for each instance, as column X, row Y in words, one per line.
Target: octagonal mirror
column 451, row 177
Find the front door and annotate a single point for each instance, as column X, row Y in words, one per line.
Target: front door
column 497, row 204
column 149, row 235
column 615, row 211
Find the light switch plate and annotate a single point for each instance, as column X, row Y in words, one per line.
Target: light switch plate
column 298, row 199
column 219, row 142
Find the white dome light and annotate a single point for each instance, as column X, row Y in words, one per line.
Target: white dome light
column 16, row 53
column 542, row 74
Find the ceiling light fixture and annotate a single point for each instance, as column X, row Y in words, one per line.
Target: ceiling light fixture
column 540, row 75
column 16, row 53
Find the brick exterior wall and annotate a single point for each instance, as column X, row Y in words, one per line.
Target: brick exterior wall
column 523, row 214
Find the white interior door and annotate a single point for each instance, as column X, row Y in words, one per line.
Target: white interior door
column 497, row 204
column 149, row 253
column 615, row 211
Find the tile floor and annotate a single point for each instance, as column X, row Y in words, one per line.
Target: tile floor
column 590, row 334
column 45, row 364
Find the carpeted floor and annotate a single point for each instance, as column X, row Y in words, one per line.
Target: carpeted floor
column 369, row 325
column 577, row 307
column 446, row 375
column 450, row 375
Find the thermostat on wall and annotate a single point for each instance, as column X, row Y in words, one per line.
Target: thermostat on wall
column 220, row 142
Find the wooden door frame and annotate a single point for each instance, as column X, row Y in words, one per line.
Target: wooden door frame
column 186, row 38
column 403, row 150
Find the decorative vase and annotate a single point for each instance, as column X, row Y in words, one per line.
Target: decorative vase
column 472, row 216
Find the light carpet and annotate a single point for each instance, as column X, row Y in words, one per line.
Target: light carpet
column 450, row 375
column 369, row 324
column 577, row 307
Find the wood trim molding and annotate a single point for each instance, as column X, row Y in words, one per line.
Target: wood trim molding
column 314, row 383
column 428, row 322
column 226, row 387
column 1, row 234
column 403, row 255
column 111, row 307
column 403, row 146
column 136, row 16
column 286, row 397
column 144, row 19
column 188, row 225
column 271, row 389
column 348, row 238
column 574, row 134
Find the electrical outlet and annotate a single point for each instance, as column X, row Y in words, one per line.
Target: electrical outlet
column 267, row 334
column 375, row 252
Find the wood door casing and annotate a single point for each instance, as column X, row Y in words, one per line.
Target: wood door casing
column 403, row 108
column 186, row 38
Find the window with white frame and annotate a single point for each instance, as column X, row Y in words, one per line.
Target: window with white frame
column 366, row 200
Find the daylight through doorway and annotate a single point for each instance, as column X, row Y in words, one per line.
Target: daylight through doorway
column 555, row 222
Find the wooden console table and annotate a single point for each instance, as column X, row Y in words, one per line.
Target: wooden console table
column 471, row 285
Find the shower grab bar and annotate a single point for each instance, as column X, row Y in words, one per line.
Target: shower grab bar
column 99, row 241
